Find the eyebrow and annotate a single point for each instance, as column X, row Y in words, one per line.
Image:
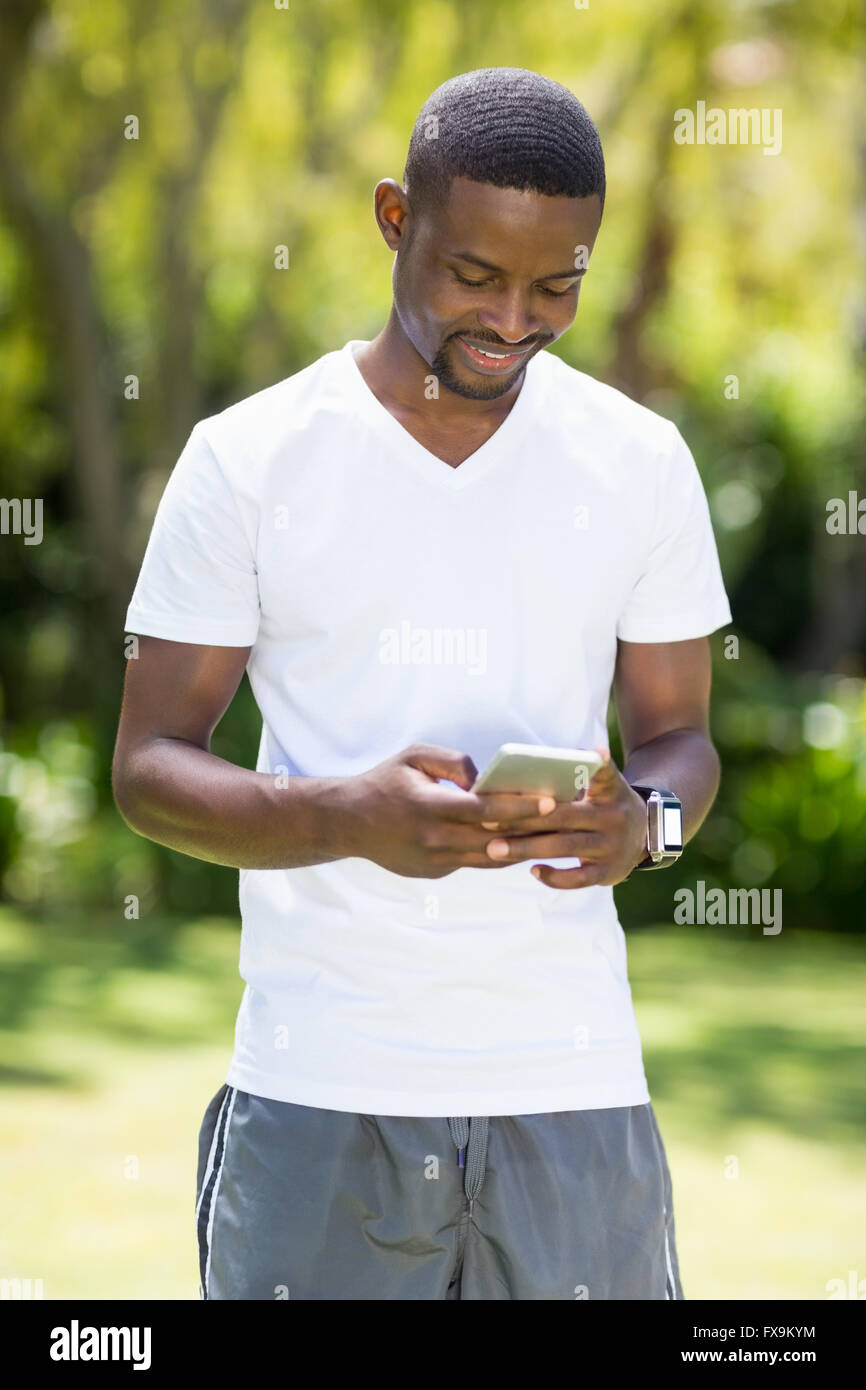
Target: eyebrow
column 572, row 273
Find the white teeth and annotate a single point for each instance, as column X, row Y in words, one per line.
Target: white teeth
column 494, row 356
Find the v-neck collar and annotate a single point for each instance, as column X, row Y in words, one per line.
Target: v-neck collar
column 501, row 443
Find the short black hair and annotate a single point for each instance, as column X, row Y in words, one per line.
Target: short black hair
column 507, row 126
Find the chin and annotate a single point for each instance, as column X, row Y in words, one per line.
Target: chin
column 471, row 385
column 483, row 389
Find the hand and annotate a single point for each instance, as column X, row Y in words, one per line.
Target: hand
column 399, row 816
column 605, row 827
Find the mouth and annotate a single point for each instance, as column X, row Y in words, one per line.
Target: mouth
column 490, row 361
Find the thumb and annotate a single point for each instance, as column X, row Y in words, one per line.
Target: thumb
column 602, row 783
column 442, row 762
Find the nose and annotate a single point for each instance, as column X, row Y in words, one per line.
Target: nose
column 508, row 315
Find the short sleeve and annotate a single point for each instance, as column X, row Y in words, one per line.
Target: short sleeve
column 198, row 580
column 680, row 592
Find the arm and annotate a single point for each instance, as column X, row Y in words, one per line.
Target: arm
column 169, row 787
column 662, row 695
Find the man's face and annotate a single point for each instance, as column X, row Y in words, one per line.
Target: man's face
column 494, row 270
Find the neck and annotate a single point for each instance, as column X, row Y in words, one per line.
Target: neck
column 398, row 375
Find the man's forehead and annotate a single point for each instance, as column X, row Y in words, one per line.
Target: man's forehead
column 482, row 208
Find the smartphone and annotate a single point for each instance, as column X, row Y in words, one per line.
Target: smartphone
column 562, row 773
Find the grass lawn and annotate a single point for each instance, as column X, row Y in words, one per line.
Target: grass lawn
column 113, row 1041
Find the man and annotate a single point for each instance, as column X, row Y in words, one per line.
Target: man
column 419, row 548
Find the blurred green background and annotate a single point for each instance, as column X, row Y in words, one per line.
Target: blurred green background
column 138, row 294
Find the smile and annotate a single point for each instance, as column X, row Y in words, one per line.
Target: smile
column 488, row 360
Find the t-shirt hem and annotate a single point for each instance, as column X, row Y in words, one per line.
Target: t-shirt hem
column 598, row 1095
column 677, row 628
column 198, row 633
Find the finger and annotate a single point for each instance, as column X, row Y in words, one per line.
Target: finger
column 568, row 815
column 494, row 808
column 463, row 858
column 582, row 844
column 605, row 784
column 584, row 877
column 436, row 762
column 452, row 839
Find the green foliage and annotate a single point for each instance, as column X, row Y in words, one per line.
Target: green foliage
column 791, row 809
column 154, row 258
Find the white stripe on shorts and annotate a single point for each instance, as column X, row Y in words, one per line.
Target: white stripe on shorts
column 233, row 1094
column 671, row 1289
column 210, row 1158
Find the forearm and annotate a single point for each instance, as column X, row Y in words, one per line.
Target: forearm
column 183, row 796
column 683, row 762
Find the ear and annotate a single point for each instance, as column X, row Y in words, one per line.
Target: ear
column 392, row 212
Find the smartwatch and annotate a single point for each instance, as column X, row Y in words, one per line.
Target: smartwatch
column 664, row 827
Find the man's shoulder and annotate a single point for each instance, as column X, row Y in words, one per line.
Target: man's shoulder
column 598, row 405
column 279, row 410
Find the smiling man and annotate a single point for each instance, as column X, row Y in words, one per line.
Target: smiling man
column 437, row 1088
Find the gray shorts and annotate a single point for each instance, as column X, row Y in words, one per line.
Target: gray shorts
column 300, row 1203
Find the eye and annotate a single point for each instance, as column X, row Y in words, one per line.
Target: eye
column 461, row 279
column 477, row 284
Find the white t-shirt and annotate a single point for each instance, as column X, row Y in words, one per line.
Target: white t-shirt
column 391, row 599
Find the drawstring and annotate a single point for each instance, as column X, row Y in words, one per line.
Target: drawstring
column 470, row 1138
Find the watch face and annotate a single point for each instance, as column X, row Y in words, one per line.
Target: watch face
column 672, row 827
